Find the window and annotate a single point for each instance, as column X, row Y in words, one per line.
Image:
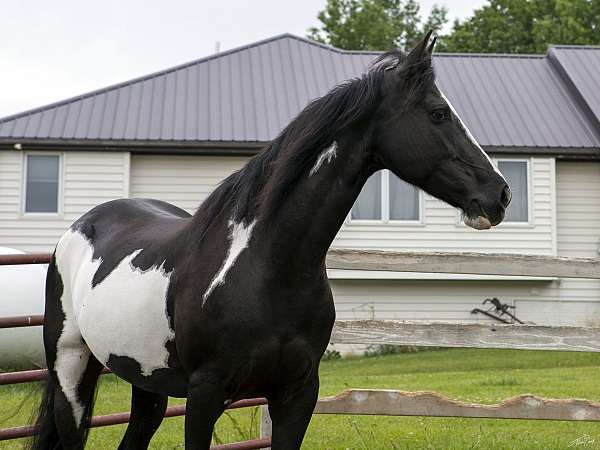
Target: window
column 385, row 197
column 368, row 203
column 41, row 183
column 516, row 173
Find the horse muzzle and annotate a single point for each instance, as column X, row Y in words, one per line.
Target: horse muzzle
column 482, row 216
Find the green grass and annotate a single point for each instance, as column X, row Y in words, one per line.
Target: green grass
column 485, row 376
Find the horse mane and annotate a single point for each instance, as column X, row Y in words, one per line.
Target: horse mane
column 291, row 154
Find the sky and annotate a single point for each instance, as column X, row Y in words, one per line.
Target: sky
column 53, row 50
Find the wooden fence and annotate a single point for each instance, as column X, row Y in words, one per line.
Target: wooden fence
column 400, row 403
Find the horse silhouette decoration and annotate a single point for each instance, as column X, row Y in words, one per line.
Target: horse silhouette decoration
column 234, row 302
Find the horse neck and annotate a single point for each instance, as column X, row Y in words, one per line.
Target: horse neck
column 301, row 231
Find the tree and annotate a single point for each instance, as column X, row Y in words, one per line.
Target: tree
column 525, row 26
column 374, row 24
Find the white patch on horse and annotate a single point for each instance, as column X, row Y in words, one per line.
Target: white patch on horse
column 470, row 136
column 72, row 354
column 327, row 155
column 124, row 315
column 239, row 238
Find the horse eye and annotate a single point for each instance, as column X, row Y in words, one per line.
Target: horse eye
column 439, row 115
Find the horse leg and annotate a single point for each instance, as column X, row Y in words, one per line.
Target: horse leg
column 147, row 412
column 205, row 404
column 74, row 402
column 291, row 415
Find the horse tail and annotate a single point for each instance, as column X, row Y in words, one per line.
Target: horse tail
column 46, row 436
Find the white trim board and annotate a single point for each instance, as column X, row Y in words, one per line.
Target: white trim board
column 342, row 274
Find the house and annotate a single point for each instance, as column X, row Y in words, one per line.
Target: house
column 175, row 134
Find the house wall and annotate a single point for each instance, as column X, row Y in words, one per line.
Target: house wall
column 87, row 179
column 91, row 178
column 182, row 180
column 434, row 300
column 578, row 235
column 442, row 230
column 552, row 302
column 187, row 180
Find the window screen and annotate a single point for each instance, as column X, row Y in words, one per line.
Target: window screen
column 42, row 183
column 515, row 173
column 404, row 200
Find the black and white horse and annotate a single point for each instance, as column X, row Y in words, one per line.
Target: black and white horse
column 233, row 302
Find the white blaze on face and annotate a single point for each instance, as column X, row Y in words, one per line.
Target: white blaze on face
column 124, row 315
column 239, row 238
column 478, row 223
column 327, row 155
column 470, row 136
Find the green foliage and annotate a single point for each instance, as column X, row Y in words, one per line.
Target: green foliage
column 500, row 26
column 386, row 349
column 331, row 355
column 525, row 26
column 374, row 24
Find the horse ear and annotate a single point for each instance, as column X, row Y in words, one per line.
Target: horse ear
column 431, row 45
column 421, row 50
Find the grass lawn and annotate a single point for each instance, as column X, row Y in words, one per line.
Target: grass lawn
column 485, row 376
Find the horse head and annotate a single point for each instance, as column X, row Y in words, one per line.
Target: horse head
column 420, row 137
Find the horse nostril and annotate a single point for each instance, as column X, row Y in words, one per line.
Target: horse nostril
column 506, row 196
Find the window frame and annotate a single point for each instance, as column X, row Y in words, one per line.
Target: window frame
column 59, row 203
column 505, row 224
column 527, row 161
column 385, row 207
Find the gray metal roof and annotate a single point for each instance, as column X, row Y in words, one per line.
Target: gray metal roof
column 250, row 93
column 580, row 68
column 514, row 101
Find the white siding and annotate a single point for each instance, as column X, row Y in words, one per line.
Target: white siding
column 433, row 300
column 88, row 179
column 565, row 302
column 184, row 181
column 442, row 231
column 578, row 209
column 561, row 302
column 187, row 180
column 578, row 235
column 92, row 178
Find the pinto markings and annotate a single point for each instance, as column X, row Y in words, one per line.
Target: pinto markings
column 327, row 154
column 239, row 238
column 107, row 319
column 72, row 354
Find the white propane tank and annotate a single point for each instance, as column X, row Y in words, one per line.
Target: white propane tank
column 21, row 294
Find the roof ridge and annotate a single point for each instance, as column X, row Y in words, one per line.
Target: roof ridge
column 576, row 46
column 492, row 55
column 331, row 47
column 149, row 76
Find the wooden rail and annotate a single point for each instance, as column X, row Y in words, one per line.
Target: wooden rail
column 432, row 262
column 464, row 263
column 431, row 404
column 477, row 335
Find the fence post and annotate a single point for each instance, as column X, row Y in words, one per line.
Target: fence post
column 265, row 423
